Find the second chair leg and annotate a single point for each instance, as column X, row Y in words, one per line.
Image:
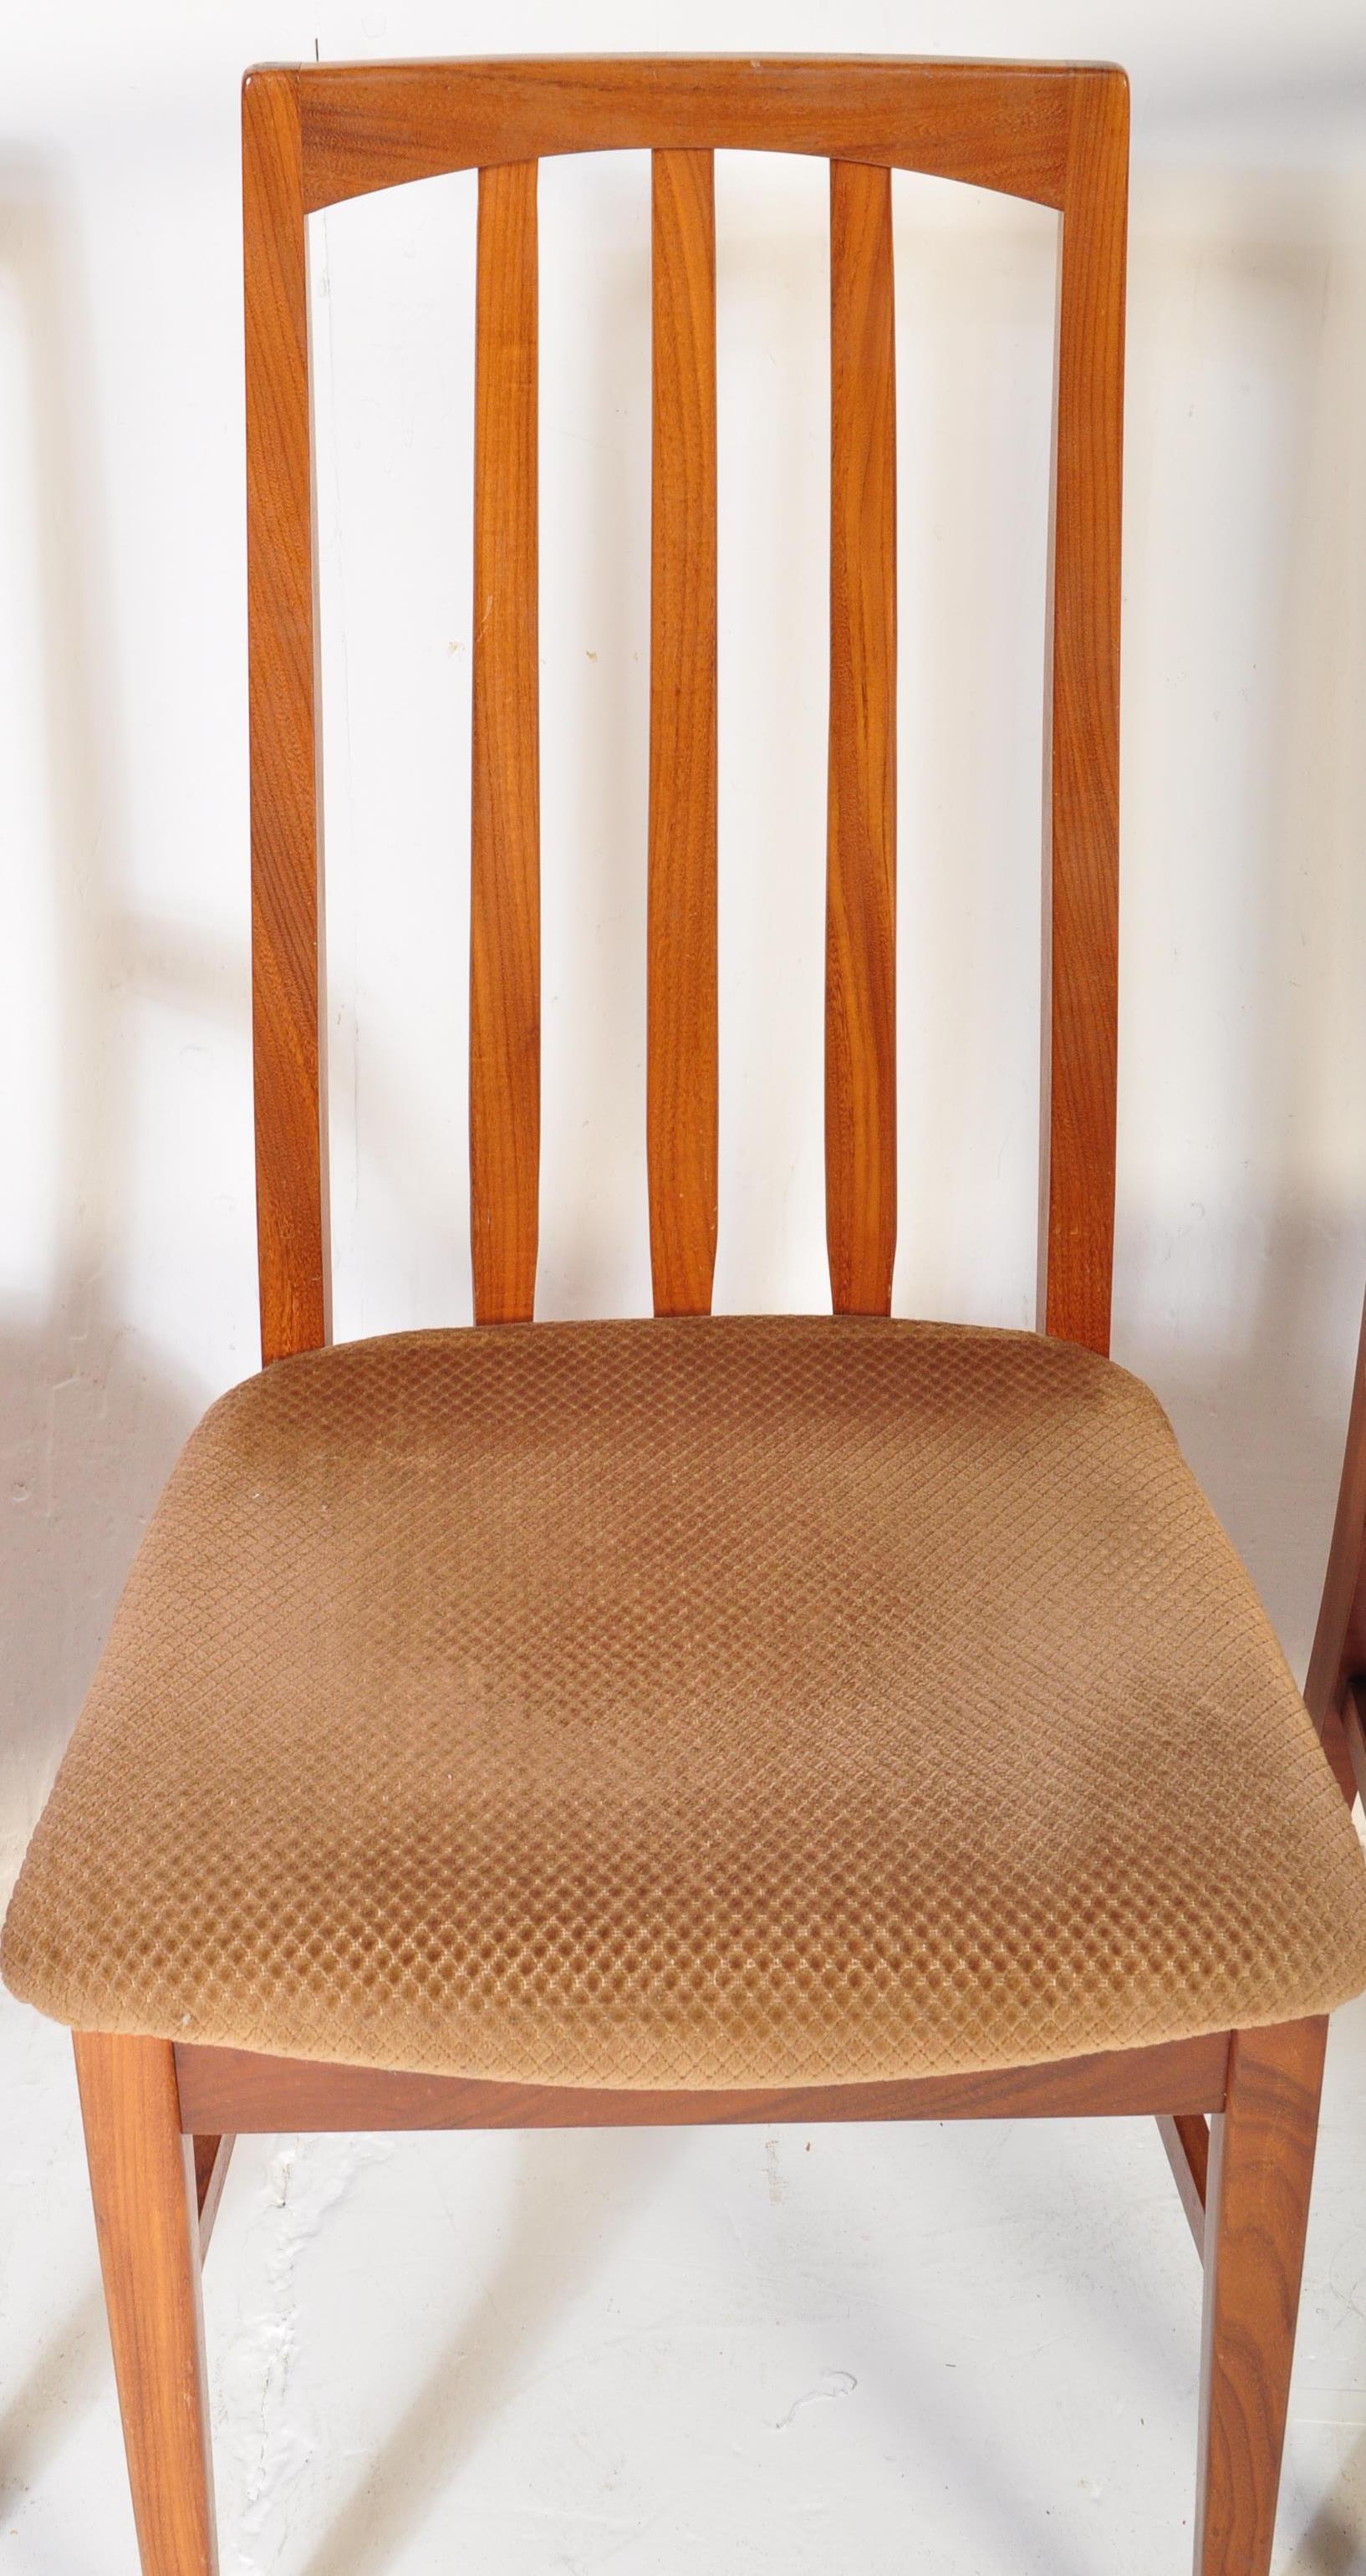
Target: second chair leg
column 147, row 2216
column 1260, row 2168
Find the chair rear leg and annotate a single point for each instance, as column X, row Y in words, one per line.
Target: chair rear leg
column 1260, row 2167
column 142, row 2181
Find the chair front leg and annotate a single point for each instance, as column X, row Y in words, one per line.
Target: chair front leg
column 142, row 2181
column 1260, row 2168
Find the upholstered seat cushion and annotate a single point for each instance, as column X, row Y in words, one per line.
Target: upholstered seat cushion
column 696, row 1702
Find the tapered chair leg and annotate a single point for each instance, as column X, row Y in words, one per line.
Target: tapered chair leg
column 1260, row 2168
column 146, row 2212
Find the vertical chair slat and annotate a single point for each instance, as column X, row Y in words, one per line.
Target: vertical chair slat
column 505, row 920
column 681, row 1081
column 860, row 971
column 1077, row 1195
column 290, row 1162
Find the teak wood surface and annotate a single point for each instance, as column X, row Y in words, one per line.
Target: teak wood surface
column 269, row 2093
column 1335, row 1686
column 1237, row 2109
column 681, row 1109
column 1261, row 2164
column 142, row 2181
column 505, row 823
column 860, row 961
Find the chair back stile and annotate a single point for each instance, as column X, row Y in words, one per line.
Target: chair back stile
column 681, row 1057
column 1335, row 1684
column 860, row 922
column 285, row 888
column 505, row 822
column 1059, row 136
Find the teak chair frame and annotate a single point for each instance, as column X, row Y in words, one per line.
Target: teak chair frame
column 1238, row 2110
column 1335, row 1685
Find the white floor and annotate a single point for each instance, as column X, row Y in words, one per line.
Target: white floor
column 944, row 2350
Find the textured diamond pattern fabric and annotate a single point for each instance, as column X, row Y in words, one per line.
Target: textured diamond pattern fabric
column 689, row 1703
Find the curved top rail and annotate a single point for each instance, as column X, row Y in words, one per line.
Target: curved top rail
column 1004, row 126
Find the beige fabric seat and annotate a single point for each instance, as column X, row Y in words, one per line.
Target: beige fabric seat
column 705, row 1702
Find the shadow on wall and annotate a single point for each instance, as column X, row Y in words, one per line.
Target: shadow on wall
column 565, row 2195
column 88, row 1421
column 1245, row 623
column 1262, row 1417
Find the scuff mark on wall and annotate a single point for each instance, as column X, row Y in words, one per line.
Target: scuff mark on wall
column 832, row 2383
column 266, row 2444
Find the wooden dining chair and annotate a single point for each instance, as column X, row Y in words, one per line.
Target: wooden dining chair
column 690, row 1719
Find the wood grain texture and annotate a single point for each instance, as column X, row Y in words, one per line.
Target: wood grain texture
column 1339, row 1649
column 1185, row 2135
column 285, row 908
column 1352, row 1722
column 996, row 125
column 1338, row 1725
column 146, row 2215
column 1260, row 2169
column 234, row 2089
column 505, row 836
column 212, row 2157
column 681, row 1080
column 1081, row 979
column 860, row 918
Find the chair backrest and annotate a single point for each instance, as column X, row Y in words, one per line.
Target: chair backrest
column 1058, row 135
column 1335, row 1684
